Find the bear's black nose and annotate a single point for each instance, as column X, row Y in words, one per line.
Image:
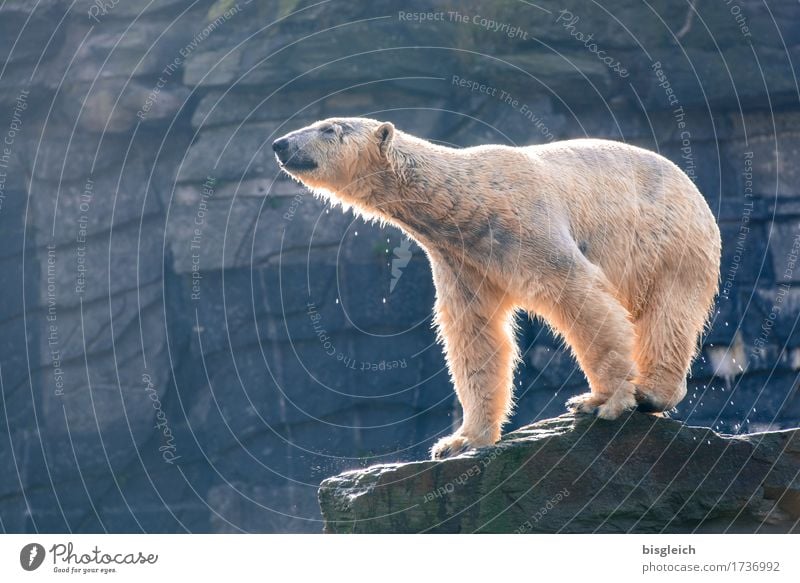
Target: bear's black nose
column 280, row 145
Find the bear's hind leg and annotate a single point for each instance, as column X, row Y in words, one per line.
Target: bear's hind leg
column 667, row 333
column 596, row 326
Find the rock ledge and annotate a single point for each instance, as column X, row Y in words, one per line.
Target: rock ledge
column 579, row 474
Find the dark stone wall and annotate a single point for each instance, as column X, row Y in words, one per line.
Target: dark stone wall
column 190, row 343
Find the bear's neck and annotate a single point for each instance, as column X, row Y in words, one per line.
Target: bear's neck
column 422, row 192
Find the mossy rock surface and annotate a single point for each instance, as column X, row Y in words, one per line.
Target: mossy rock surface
column 580, row 474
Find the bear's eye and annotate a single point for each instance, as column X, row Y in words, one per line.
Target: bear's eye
column 329, row 131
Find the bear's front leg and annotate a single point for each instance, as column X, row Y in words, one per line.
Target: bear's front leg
column 481, row 352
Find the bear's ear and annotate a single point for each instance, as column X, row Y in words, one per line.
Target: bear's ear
column 384, row 134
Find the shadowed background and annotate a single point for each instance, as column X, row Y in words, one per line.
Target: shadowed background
column 191, row 343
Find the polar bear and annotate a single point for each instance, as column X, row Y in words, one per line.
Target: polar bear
column 611, row 244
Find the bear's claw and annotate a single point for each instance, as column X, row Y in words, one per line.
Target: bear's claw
column 604, row 408
column 450, row 446
column 587, row 403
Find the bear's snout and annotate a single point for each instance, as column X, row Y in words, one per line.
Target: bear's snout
column 280, row 144
column 291, row 154
column 280, row 147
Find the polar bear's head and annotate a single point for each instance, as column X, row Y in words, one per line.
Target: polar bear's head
column 337, row 155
